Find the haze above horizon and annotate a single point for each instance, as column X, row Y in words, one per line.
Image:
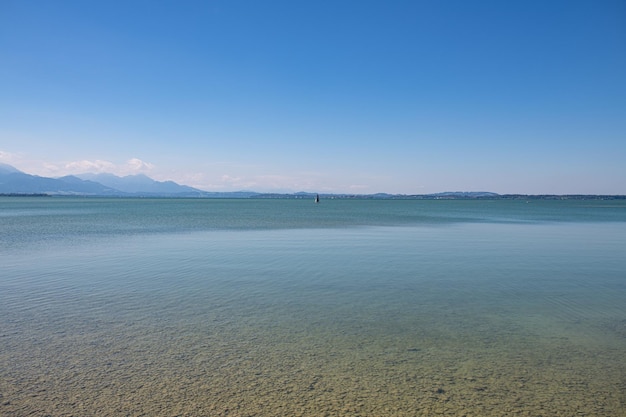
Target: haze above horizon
column 400, row 97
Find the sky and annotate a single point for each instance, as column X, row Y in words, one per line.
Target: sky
column 343, row 96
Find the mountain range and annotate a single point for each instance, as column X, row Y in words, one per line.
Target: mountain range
column 14, row 181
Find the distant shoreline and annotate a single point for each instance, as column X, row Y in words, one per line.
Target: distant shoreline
column 304, row 196
column 25, row 195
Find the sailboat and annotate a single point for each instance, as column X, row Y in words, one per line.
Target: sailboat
column 317, row 198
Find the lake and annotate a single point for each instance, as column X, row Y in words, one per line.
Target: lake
column 208, row 307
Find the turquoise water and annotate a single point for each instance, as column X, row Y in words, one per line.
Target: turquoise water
column 283, row 307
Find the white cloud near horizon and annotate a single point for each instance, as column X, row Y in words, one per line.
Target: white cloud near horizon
column 8, row 157
column 98, row 166
column 136, row 165
column 130, row 167
column 217, row 177
column 302, row 181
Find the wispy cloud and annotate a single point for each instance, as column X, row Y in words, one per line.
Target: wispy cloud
column 8, row 157
column 358, row 188
column 265, row 182
column 55, row 169
column 97, row 166
column 210, row 177
column 136, row 165
column 132, row 166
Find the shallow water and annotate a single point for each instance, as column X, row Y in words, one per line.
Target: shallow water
column 272, row 308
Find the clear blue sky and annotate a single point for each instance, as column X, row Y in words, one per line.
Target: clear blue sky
column 327, row 96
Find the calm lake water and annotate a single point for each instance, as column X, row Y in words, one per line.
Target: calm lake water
column 163, row 307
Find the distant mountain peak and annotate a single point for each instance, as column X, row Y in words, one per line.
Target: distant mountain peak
column 14, row 181
column 139, row 184
column 9, row 169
